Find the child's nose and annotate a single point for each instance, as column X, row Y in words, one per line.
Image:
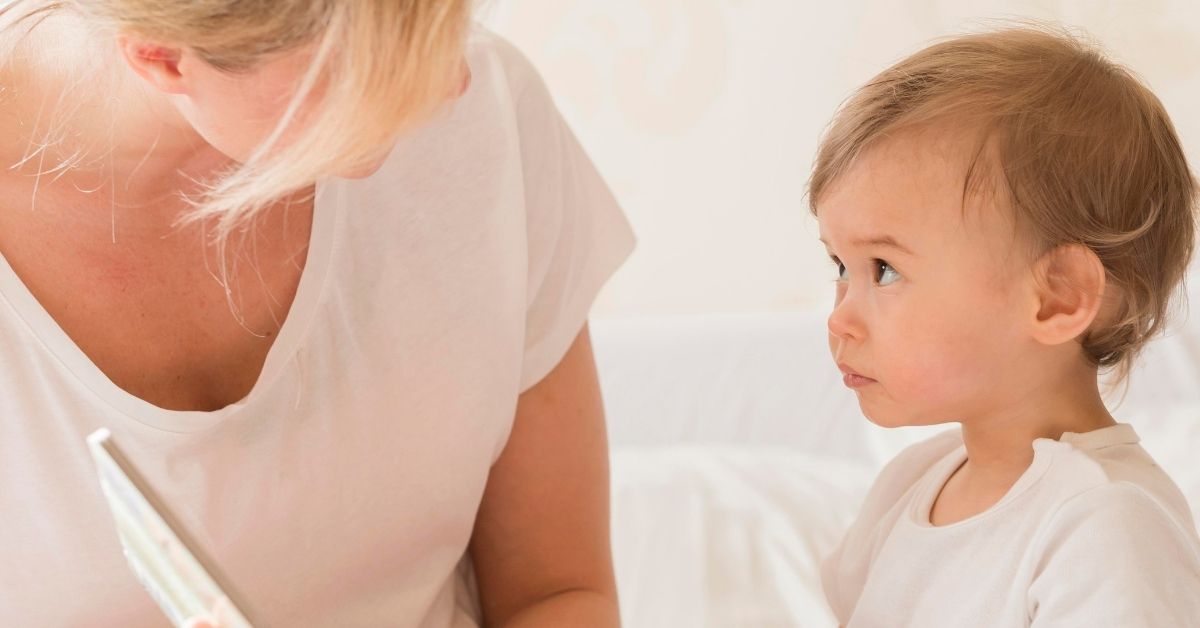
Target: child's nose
column 844, row 322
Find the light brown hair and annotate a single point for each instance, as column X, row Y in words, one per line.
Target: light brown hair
column 1082, row 151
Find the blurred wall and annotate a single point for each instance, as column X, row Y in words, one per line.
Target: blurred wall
column 704, row 116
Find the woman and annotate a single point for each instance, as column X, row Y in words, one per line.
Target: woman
column 323, row 267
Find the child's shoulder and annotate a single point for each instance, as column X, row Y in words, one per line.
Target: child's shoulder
column 846, row 568
column 1112, row 517
column 1108, row 471
column 916, row 459
column 907, row 468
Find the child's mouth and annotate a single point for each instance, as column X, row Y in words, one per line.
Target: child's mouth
column 854, row 380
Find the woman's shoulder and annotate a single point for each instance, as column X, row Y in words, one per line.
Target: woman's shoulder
column 492, row 56
column 485, row 42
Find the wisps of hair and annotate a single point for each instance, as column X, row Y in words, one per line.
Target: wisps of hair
column 377, row 68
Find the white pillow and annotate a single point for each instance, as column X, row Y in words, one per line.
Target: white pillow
column 728, row 536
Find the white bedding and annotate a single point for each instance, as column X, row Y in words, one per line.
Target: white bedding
column 709, row 536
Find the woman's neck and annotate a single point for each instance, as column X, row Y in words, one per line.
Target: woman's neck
column 79, row 120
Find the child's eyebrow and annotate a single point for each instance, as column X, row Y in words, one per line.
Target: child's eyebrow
column 884, row 241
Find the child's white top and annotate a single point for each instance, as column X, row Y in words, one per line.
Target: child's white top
column 1094, row 533
column 342, row 491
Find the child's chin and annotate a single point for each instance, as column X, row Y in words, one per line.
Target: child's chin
column 888, row 422
column 889, row 419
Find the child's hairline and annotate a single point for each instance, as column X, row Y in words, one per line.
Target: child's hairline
column 981, row 152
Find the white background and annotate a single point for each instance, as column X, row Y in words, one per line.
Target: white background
column 704, row 117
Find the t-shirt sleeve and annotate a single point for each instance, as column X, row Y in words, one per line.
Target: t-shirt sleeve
column 577, row 234
column 1113, row 557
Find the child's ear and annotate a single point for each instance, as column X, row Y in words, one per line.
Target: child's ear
column 1069, row 286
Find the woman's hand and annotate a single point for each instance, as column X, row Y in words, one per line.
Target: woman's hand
column 220, row 616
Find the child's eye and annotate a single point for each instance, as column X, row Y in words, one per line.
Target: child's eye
column 841, row 268
column 884, row 273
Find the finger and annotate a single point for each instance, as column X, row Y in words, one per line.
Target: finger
column 201, row 621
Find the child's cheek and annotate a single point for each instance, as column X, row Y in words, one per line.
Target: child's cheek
column 937, row 367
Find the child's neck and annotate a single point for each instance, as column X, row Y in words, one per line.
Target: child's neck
column 1000, row 445
column 1005, row 438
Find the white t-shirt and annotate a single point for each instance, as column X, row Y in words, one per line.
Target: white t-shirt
column 343, row 490
column 1093, row 534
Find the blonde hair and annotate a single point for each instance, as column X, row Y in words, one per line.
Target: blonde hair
column 1082, row 151
column 378, row 67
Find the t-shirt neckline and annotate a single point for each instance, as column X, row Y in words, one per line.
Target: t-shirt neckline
column 1043, row 455
column 308, row 295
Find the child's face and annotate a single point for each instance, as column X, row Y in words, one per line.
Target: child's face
column 933, row 298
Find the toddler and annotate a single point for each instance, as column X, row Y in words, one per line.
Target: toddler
column 1010, row 215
